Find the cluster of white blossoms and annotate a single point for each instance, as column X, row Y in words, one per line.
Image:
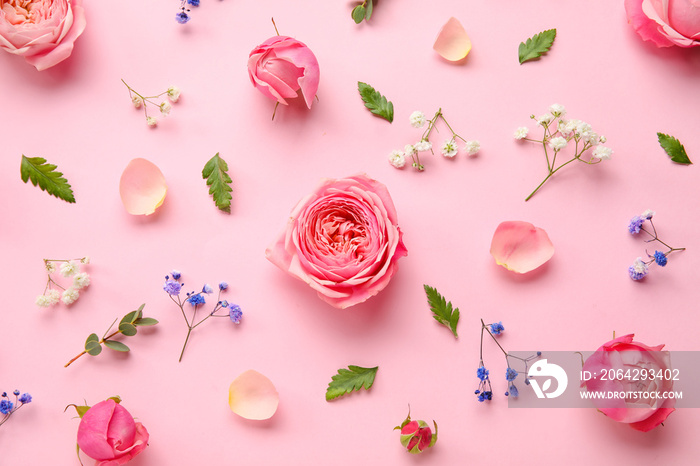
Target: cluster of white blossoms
column 67, row 269
column 449, row 148
column 138, row 100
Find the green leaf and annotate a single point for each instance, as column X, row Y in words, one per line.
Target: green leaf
column 442, row 309
column 368, row 9
column 92, row 345
column 45, row 175
column 358, row 14
column 375, row 102
column 117, row 399
column 674, row 148
column 129, row 318
column 536, row 45
column 116, row 345
column 127, row 329
column 146, row 321
column 350, row 379
column 219, row 182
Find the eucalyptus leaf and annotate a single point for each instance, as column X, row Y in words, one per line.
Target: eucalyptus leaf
column 93, row 348
column 146, row 321
column 368, row 9
column 358, row 14
column 116, row 345
column 129, row 318
column 127, row 329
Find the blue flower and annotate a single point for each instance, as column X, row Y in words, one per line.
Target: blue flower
column 513, row 390
column 223, row 286
column 638, row 269
column 482, row 373
column 635, row 225
column 176, row 274
column 660, row 258
column 16, row 393
column 196, row 299
column 182, row 17
column 25, row 398
column 172, row 287
column 511, row 374
column 6, row 406
column 207, row 289
column 497, row 329
column 223, row 303
column 235, row 313
column 193, row 2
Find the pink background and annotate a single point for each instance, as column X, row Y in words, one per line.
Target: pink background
column 78, row 115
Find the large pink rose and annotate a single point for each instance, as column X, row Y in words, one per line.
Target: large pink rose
column 108, row 434
column 343, row 240
column 642, row 371
column 41, row 31
column 280, row 66
column 666, row 22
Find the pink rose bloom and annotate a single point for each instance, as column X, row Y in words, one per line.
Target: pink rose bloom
column 343, row 240
column 621, row 355
column 41, row 31
column 666, row 22
column 108, row 434
column 280, row 66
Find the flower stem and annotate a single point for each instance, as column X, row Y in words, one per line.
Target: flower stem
column 185, row 345
column 85, row 352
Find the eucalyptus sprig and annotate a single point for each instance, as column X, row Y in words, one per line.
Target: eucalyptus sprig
column 363, row 11
column 127, row 326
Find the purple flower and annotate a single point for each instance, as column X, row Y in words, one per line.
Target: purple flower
column 660, row 258
column 25, row 398
column 635, row 225
column 6, row 406
column 513, row 390
column 638, row 269
column 235, row 313
column 223, row 286
column 207, row 289
column 176, row 274
column 172, row 287
column 497, row 329
column 196, row 299
column 182, row 17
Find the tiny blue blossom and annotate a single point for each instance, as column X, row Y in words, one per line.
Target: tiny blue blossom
column 497, row 329
column 176, row 274
column 196, row 299
column 6, row 406
column 16, row 393
column 223, row 303
column 482, row 373
column 182, row 17
column 25, row 398
column 172, row 287
column 223, row 286
column 511, row 374
column 513, row 390
column 235, row 313
column 635, row 225
column 193, row 2
column 207, row 289
column 660, row 258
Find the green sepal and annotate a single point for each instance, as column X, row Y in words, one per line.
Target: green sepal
column 145, row 321
column 81, row 410
column 117, row 399
column 92, row 345
column 358, row 14
column 116, row 346
column 433, row 440
column 127, row 329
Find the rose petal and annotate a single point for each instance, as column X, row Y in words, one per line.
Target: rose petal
column 253, row 396
column 452, row 42
column 521, row 246
column 142, row 187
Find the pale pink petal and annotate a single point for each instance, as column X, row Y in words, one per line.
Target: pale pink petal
column 142, row 187
column 521, row 246
column 253, row 396
column 452, row 42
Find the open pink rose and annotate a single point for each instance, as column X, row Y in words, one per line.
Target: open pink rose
column 343, row 240
column 108, row 434
column 280, row 66
column 642, row 372
column 41, row 31
column 666, row 22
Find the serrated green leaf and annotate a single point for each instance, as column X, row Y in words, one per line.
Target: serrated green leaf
column 219, row 182
column 673, row 148
column 128, row 329
column 442, row 309
column 144, row 322
column 358, row 14
column 350, row 379
column 116, row 345
column 537, row 45
column 368, row 9
column 45, row 175
column 129, row 318
column 92, row 345
column 375, row 102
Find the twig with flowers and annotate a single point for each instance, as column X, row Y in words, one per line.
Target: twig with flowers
column 640, row 267
column 557, row 134
column 139, row 100
column 8, row 408
column 449, row 147
column 173, row 287
column 484, row 391
column 67, row 268
column 182, row 15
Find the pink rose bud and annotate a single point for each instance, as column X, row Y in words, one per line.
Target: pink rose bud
column 280, row 66
column 416, row 436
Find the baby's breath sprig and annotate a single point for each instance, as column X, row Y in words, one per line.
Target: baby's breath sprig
column 67, row 268
column 449, row 147
column 640, row 267
column 558, row 133
column 172, row 95
column 182, row 15
column 173, row 287
column 8, row 408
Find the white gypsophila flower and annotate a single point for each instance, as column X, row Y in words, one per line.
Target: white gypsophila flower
column 557, row 143
column 449, row 148
column 53, row 296
column 648, row 214
column 602, row 153
column 70, row 295
column 567, row 128
column 42, row 301
column 603, row 139
column 472, row 147
column 81, row 280
column 545, row 119
column 137, row 101
column 409, row 150
column 151, row 121
column 591, row 137
column 173, row 93
column 50, row 267
column 639, row 266
column 423, row 145
column 70, row 268
column 417, row 119
column 397, row 159
column 85, row 260
column 521, row 133
column 557, row 110
column 165, row 108
column 582, row 128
